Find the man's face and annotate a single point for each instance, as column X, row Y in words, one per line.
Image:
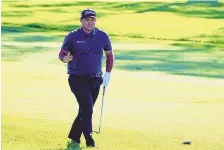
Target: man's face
column 88, row 23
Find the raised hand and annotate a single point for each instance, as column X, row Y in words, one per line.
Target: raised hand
column 67, row 58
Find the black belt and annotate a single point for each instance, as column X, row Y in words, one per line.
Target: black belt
column 87, row 75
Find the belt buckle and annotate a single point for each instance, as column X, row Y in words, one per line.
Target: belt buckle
column 96, row 75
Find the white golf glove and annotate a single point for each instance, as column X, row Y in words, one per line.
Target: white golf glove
column 106, row 79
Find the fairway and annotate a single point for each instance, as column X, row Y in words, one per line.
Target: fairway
column 148, row 110
column 166, row 85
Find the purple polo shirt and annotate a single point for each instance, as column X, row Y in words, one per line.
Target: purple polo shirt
column 87, row 51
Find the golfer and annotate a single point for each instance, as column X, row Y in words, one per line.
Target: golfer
column 83, row 50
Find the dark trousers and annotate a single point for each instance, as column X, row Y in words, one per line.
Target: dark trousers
column 86, row 90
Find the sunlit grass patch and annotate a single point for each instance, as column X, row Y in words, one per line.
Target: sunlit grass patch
column 124, row 21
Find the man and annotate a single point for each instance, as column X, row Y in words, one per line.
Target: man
column 83, row 50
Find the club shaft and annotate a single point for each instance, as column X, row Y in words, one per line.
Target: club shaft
column 101, row 113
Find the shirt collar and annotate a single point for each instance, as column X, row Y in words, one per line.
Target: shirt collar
column 89, row 34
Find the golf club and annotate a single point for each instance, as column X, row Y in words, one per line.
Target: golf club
column 101, row 113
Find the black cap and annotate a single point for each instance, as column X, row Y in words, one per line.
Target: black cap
column 87, row 13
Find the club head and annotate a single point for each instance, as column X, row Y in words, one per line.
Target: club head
column 97, row 132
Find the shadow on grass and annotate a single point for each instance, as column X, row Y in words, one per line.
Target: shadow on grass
column 201, row 61
column 207, row 10
column 17, row 14
column 191, row 62
column 194, row 9
column 15, row 53
column 37, row 38
column 62, row 4
column 37, row 27
column 62, row 7
column 12, row 32
column 214, row 40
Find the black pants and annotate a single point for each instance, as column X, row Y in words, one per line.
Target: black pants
column 86, row 90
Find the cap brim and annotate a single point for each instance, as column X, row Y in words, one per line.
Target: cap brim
column 89, row 17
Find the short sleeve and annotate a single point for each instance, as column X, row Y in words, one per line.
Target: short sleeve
column 67, row 43
column 107, row 46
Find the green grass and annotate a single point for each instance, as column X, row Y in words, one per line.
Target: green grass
column 39, row 117
column 166, row 85
column 137, row 22
column 51, row 135
column 175, row 60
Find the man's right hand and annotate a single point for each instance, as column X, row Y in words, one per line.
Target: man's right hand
column 67, row 58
